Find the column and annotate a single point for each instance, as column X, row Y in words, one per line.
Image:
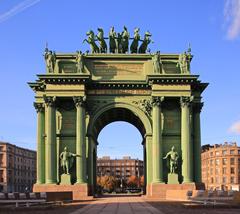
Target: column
column 50, row 147
column 197, row 142
column 187, row 155
column 80, row 139
column 157, row 140
column 40, row 143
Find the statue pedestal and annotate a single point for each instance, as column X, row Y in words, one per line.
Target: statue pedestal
column 173, row 178
column 65, row 179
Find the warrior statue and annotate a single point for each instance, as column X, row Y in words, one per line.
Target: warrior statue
column 79, row 61
column 102, row 43
column 67, row 159
column 112, row 40
column 136, row 38
column 91, row 41
column 173, row 159
column 157, row 63
column 50, row 58
column 125, row 40
column 145, row 43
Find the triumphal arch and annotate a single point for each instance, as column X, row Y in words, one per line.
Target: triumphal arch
column 83, row 92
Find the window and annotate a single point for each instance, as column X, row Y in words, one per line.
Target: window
column 232, row 180
column 231, row 152
column 224, row 170
column 232, row 161
column 211, row 154
column 211, row 162
column 217, row 161
column 211, row 180
column 224, row 161
column 217, row 171
column 232, row 170
column 224, row 180
column 217, row 180
column 217, row 153
column 224, row 152
column 239, row 152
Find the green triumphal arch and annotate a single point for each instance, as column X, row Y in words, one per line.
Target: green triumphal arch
column 83, row 92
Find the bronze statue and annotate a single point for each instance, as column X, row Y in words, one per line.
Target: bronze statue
column 66, row 158
column 146, row 41
column 136, row 38
column 79, row 61
column 112, row 40
column 102, row 43
column 173, row 159
column 91, row 41
column 157, row 63
column 125, row 40
column 50, row 58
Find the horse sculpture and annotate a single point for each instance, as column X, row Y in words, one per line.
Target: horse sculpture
column 102, row 43
column 125, row 38
column 136, row 38
column 112, row 40
column 146, row 41
column 91, row 42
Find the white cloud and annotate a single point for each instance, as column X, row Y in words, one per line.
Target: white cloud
column 235, row 128
column 232, row 18
column 17, row 9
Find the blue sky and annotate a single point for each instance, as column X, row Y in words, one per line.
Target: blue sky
column 212, row 27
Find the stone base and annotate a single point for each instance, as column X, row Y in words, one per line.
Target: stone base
column 176, row 191
column 173, row 178
column 65, row 179
column 65, row 192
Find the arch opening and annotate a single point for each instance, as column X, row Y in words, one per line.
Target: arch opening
column 122, row 170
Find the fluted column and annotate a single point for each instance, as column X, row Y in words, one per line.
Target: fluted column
column 80, row 140
column 197, row 142
column 187, row 153
column 40, row 143
column 157, row 140
column 50, row 147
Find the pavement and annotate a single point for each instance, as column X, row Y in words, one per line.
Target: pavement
column 118, row 205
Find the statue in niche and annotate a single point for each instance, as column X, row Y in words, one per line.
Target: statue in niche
column 102, row 43
column 157, row 63
column 112, row 40
column 50, row 59
column 146, row 41
column 136, row 38
column 79, row 61
column 67, row 159
column 91, row 41
column 173, row 160
column 125, row 40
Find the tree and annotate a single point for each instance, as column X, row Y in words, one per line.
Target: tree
column 106, row 182
column 132, row 181
column 142, row 182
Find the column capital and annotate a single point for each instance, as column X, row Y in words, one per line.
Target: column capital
column 79, row 101
column 39, row 107
column 157, row 101
column 186, row 101
column 198, row 107
column 49, row 101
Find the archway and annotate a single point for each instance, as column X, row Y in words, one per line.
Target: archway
column 118, row 112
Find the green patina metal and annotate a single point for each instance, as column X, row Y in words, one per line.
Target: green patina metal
column 81, row 93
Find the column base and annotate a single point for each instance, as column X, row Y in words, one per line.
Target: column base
column 65, row 192
column 170, row 191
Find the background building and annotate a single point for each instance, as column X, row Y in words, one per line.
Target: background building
column 119, row 168
column 17, row 168
column 221, row 166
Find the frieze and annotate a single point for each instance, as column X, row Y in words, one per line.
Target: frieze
column 119, row 91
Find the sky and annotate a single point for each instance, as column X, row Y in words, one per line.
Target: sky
column 211, row 26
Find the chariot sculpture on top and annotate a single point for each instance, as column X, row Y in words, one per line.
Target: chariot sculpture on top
column 118, row 42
